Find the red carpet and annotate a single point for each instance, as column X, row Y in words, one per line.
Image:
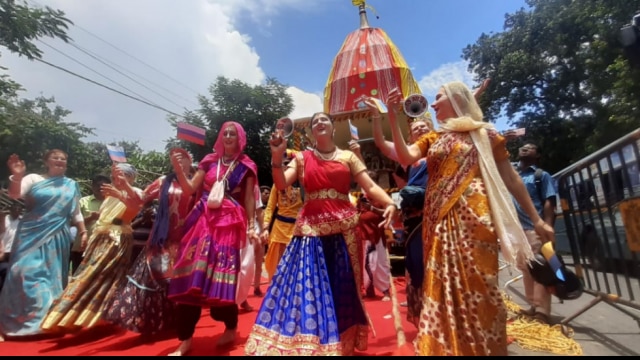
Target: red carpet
column 111, row 341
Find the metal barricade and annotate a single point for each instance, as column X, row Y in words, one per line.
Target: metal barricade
column 598, row 226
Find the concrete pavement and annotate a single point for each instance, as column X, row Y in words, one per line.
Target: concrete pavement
column 602, row 330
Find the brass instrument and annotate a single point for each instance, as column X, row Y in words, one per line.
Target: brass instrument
column 415, row 105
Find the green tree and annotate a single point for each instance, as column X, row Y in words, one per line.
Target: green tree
column 559, row 70
column 21, row 26
column 31, row 127
column 150, row 166
column 256, row 108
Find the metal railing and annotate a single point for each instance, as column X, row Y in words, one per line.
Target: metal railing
column 597, row 228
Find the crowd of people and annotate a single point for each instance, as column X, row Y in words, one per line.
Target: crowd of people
column 325, row 250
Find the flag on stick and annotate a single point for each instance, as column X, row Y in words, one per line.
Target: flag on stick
column 191, row 133
column 354, row 131
column 381, row 106
column 116, row 153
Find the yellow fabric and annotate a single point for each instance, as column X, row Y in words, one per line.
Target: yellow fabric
column 103, row 269
column 408, row 83
column 513, row 240
column 462, row 310
column 289, row 203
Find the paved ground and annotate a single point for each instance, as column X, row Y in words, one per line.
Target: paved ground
column 602, row 330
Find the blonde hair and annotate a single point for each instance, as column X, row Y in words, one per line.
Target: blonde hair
column 462, row 100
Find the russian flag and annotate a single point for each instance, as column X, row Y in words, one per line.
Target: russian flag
column 354, row 131
column 116, row 153
column 191, row 133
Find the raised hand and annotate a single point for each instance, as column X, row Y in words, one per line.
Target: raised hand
column 371, row 105
column 395, row 100
column 117, row 176
column 110, row 190
column 176, row 159
column 478, row 92
column 16, row 166
column 278, row 146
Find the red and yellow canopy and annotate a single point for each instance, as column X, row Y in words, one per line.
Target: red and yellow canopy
column 368, row 64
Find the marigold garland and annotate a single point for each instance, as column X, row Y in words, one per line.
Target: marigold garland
column 533, row 335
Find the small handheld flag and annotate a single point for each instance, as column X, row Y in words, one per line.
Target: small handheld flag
column 116, row 153
column 191, row 133
column 354, row 131
column 381, row 106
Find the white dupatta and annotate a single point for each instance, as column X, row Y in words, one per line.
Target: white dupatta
column 513, row 241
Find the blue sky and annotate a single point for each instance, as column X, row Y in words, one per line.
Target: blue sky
column 193, row 41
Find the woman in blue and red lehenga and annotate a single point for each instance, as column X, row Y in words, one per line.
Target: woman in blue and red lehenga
column 314, row 304
column 206, row 272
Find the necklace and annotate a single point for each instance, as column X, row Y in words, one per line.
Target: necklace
column 327, row 152
column 226, row 162
column 331, row 156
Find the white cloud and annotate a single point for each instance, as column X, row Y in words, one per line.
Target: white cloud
column 305, row 104
column 455, row 71
column 191, row 41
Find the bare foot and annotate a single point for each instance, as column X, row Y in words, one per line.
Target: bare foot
column 183, row 349
column 227, row 338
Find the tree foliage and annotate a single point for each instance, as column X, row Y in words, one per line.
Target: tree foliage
column 31, row 127
column 559, row 70
column 21, row 25
column 256, row 108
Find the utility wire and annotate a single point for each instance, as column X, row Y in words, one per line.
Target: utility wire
column 92, row 54
column 123, row 74
column 109, row 88
column 82, row 64
column 125, row 53
column 135, row 58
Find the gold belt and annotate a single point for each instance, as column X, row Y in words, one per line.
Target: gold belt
column 326, row 194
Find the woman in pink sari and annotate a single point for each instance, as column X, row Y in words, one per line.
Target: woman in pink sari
column 206, row 272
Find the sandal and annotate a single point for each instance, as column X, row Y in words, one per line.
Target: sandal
column 541, row 317
column 528, row 312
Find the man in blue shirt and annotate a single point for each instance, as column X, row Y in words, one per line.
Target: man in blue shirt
column 543, row 196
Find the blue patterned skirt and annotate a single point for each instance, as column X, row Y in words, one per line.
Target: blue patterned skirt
column 312, row 306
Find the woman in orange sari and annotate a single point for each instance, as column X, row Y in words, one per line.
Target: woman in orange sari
column 467, row 209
